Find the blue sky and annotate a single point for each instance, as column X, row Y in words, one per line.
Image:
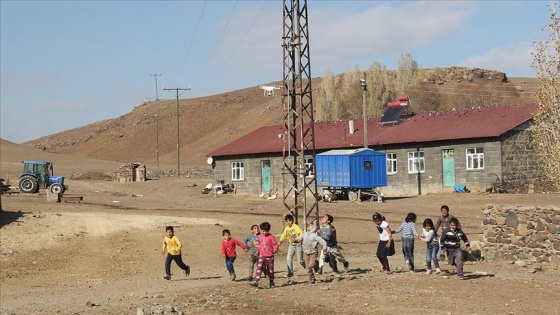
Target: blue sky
column 66, row 64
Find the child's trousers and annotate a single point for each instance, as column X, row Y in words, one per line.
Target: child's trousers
column 178, row 260
column 455, row 256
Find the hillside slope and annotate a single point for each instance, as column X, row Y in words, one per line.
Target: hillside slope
column 208, row 123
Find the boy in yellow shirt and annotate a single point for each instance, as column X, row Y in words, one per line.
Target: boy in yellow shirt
column 173, row 246
column 291, row 232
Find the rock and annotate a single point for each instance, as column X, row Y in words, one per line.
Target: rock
column 551, row 228
column 511, row 219
column 522, row 230
column 140, row 311
column 520, row 263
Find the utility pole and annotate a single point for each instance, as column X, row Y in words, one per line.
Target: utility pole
column 157, row 141
column 155, row 77
column 364, row 103
column 177, row 96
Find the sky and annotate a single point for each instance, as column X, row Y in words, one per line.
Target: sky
column 67, row 64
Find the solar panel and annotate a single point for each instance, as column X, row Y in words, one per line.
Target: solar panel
column 392, row 114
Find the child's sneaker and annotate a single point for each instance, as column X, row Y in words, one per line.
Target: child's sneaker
column 438, row 270
column 428, row 271
column 290, row 274
column 346, row 265
column 187, row 271
column 232, row 276
column 461, row 278
column 167, row 277
column 271, row 285
column 254, row 283
column 311, row 281
column 408, row 266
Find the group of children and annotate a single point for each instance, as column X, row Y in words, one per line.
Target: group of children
column 450, row 241
column 262, row 246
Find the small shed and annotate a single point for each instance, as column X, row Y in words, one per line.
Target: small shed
column 356, row 168
column 132, row 172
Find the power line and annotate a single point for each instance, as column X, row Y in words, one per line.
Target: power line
column 237, row 46
column 217, row 42
column 192, row 41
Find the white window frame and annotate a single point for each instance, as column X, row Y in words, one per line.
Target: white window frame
column 415, row 162
column 475, row 158
column 309, row 167
column 391, row 163
column 237, row 171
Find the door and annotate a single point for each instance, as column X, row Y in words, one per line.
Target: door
column 266, row 184
column 448, row 162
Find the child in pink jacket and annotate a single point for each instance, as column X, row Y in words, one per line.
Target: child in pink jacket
column 267, row 248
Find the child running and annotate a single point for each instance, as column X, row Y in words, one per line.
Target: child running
column 267, row 248
column 328, row 233
column 228, row 251
column 309, row 241
column 252, row 243
column 173, row 246
column 429, row 236
column 409, row 233
column 291, row 232
column 386, row 246
column 451, row 241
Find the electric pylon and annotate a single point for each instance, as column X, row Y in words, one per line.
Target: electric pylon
column 298, row 187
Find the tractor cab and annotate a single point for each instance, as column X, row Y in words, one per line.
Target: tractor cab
column 39, row 175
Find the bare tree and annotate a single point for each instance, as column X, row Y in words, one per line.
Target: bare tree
column 328, row 104
column 378, row 89
column 546, row 131
column 407, row 73
column 351, row 93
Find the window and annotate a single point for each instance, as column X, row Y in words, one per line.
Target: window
column 237, row 171
column 309, row 167
column 391, row 163
column 475, row 158
column 416, row 162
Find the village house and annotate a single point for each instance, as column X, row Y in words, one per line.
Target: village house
column 426, row 153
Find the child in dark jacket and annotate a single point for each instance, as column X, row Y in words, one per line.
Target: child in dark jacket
column 451, row 242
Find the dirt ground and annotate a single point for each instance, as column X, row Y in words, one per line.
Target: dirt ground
column 103, row 256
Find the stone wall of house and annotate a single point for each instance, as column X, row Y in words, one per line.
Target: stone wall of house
column 522, row 172
column 521, row 234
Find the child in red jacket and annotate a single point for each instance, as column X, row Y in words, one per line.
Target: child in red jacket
column 228, row 251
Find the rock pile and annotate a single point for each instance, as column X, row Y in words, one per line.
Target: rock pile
column 441, row 76
column 517, row 233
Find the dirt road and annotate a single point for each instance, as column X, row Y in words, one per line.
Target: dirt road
column 103, row 256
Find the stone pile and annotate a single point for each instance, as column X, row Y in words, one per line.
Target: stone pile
column 441, row 76
column 194, row 172
column 516, row 233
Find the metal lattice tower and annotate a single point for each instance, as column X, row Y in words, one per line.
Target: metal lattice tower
column 299, row 134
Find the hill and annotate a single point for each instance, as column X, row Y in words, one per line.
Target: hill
column 12, row 154
column 148, row 134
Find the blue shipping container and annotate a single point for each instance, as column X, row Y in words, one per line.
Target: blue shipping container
column 356, row 168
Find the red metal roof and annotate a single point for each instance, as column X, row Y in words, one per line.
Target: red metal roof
column 485, row 122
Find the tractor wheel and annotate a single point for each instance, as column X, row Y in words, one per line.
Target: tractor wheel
column 28, row 184
column 352, row 195
column 57, row 189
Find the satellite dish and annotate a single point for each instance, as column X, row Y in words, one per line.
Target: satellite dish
column 210, row 160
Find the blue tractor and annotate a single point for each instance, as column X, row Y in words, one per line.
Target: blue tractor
column 39, row 175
